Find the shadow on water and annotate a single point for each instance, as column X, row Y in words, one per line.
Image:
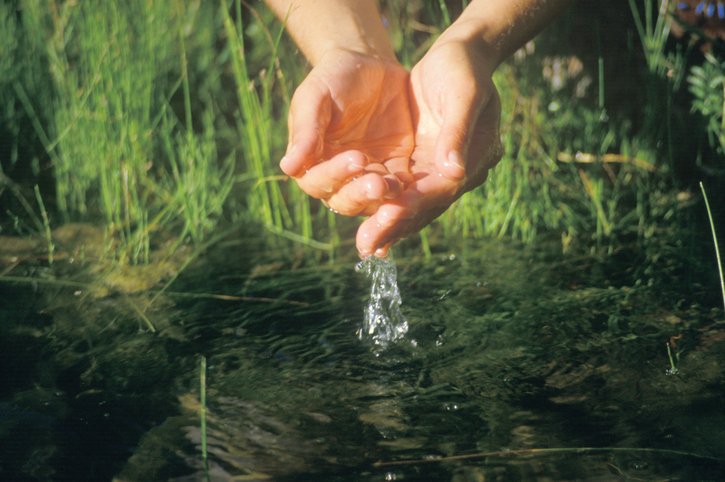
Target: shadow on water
column 511, row 354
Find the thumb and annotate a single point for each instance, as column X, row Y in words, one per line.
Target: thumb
column 460, row 112
column 309, row 115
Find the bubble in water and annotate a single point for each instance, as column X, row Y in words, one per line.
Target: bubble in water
column 383, row 322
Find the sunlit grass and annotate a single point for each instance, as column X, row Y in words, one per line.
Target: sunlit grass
column 161, row 121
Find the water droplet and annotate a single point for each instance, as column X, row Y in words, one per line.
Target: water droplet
column 638, row 465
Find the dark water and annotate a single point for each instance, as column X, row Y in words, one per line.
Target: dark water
column 518, row 365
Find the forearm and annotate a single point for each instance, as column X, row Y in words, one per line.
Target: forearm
column 320, row 26
column 500, row 27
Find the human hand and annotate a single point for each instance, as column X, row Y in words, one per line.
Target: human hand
column 351, row 132
column 456, row 116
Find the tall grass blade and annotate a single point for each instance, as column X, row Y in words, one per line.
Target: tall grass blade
column 714, row 240
column 46, row 225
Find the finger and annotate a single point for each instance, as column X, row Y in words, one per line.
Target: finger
column 364, row 194
column 400, row 166
column 395, row 182
column 485, row 148
column 378, row 232
column 309, row 116
column 415, row 208
column 323, row 179
column 460, row 112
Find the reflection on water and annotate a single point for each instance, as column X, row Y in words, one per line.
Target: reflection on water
column 515, row 351
column 383, row 322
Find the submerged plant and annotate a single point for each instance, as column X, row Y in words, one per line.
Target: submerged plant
column 202, row 415
column 674, row 361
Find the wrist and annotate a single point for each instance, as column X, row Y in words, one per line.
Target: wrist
column 477, row 38
column 349, row 47
column 496, row 28
column 322, row 27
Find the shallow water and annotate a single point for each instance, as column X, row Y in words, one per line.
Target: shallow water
column 517, row 365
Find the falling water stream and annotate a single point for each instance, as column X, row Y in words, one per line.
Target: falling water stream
column 384, row 322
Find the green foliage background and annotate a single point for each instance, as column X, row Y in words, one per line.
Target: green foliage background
column 164, row 120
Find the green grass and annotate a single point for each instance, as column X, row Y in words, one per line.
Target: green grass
column 262, row 103
column 46, row 225
column 162, row 121
column 653, row 31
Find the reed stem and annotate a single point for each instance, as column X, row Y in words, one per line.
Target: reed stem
column 202, row 416
column 714, row 241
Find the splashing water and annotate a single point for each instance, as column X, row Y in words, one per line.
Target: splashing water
column 383, row 323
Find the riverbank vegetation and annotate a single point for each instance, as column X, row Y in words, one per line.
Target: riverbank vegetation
column 146, row 229
column 163, row 123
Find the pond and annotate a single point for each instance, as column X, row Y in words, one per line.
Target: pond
column 518, row 364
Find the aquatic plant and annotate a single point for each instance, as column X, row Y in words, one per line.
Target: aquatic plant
column 674, row 361
column 202, row 415
column 46, row 225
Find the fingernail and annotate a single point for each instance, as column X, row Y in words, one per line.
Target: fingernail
column 393, row 187
column 355, row 167
column 364, row 252
column 381, row 253
column 285, row 162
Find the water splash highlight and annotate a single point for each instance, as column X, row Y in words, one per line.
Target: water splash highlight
column 384, row 322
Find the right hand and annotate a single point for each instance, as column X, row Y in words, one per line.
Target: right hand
column 351, row 133
column 456, row 113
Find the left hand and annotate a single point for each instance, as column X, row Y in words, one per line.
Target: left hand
column 456, row 115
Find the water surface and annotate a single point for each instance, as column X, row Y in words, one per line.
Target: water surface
column 517, row 364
